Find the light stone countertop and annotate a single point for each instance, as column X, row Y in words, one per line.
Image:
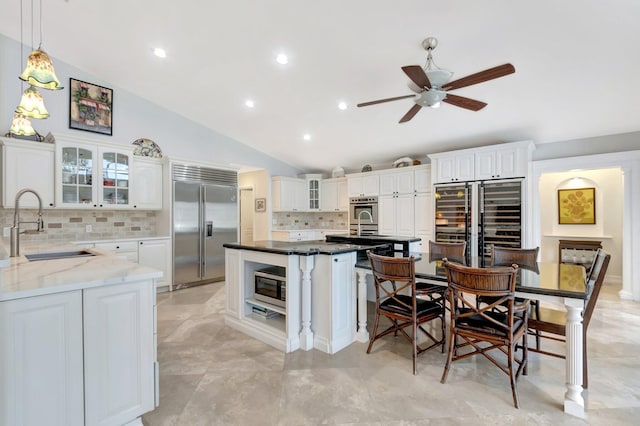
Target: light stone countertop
column 23, row 278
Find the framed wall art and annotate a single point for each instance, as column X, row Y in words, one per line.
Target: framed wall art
column 261, row 204
column 90, row 107
column 577, row 206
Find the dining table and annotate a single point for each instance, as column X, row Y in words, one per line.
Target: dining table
column 557, row 283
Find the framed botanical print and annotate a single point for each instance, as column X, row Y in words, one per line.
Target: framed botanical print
column 577, row 206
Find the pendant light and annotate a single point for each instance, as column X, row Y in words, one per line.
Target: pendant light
column 32, row 105
column 21, row 126
column 39, row 71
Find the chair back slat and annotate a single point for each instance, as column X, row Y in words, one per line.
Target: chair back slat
column 447, row 249
column 507, row 256
column 594, row 283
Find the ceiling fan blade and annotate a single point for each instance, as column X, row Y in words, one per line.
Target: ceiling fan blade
column 409, row 115
column 385, row 100
column 463, row 102
column 417, row 75
column 482, row 76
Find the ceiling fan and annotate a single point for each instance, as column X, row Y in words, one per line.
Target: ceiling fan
column 432, row 87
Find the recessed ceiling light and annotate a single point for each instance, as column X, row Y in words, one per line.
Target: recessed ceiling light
column 250, row 103
column 282, row 59
column 306, row 137
column 342, row 105
column 159, row 52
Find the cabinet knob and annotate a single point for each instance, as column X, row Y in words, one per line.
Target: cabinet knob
column 50, row 204
column 95, row 205
column 141, row 242
column 335, row 260
column 117, row 247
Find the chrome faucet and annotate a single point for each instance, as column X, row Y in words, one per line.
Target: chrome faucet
column 360, row 215
column 15, row 229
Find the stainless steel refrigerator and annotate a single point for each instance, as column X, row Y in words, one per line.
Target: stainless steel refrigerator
column 205, row 216
column 481, row 213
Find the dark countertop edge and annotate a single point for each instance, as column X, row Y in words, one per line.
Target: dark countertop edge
column 293, row 251
column 386, row 238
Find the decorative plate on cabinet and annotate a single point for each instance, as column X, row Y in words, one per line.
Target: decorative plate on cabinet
column 146, row 148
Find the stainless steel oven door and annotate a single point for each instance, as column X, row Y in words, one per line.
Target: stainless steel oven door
column 366, row 209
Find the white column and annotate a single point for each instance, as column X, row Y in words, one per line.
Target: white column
column 306, row 334
column 573, row 401
column 363, row 334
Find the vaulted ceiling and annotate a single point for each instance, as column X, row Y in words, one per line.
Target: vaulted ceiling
column 576, row 67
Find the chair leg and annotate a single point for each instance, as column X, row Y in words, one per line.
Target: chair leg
column 445, row 373
column 444, row 332
column 512, row 375
column 374, row 333
column 415, row 347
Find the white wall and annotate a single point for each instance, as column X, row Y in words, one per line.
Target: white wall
column 260, row 181
column 609, row 201
column 133, row 118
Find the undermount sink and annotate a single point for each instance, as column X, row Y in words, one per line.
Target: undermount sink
column 58, row 255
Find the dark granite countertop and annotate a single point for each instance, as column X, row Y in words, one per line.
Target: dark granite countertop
column 302, row 248
column 369, row 239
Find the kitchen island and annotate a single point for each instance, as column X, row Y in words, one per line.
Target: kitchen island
column 77, row 338
column 320, row 305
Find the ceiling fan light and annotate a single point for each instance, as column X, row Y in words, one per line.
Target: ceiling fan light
column 32, row 105
column 39, row 71
column 438, row 77
column 21, row 126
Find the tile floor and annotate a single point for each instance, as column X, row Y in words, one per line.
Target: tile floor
column 211, row 374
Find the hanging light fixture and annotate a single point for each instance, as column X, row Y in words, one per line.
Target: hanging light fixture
column 32, row 105
column 21, row 126
column 39, row 71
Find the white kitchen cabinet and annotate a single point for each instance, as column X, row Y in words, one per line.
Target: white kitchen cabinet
column 289, row 194
column 363, row 184
column 303, row 235
column 124, row 249
column 502, row 161
column 333, row 313
column 314, row 191
column 156, row 254
column 396, row 215
column 92, row 176
column 422, row 178
column 120, row 370
column 424, row 220
column 146, row 183
column 499, row 164
column 27, row 165
column 396, row 182
column 455, row 168
column 334, row 196
column 41, row 360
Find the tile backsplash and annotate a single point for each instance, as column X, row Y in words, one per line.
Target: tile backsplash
column 284, row 221
column 71, row 225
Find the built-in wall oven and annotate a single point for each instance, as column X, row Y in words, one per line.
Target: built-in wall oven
column 271, row 285
column 363, row 215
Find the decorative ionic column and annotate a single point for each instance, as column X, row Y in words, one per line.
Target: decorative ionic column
column 306, row 334
column 363, row 334
column 573, row 401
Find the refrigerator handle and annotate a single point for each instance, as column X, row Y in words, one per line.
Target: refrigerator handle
column 209, row 229
column 202, row 231
column 467, row 216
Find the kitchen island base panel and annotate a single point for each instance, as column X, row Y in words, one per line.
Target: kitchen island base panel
column 320, row 310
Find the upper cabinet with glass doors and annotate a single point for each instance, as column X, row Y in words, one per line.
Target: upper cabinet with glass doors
column 92, row 176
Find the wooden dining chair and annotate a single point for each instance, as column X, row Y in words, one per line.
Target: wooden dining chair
column 438, row 250
column 481, row 328
column 551, row 323
column 396, row 300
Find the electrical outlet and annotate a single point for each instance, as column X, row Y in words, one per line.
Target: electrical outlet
column 6, row 231
column 88, row 228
